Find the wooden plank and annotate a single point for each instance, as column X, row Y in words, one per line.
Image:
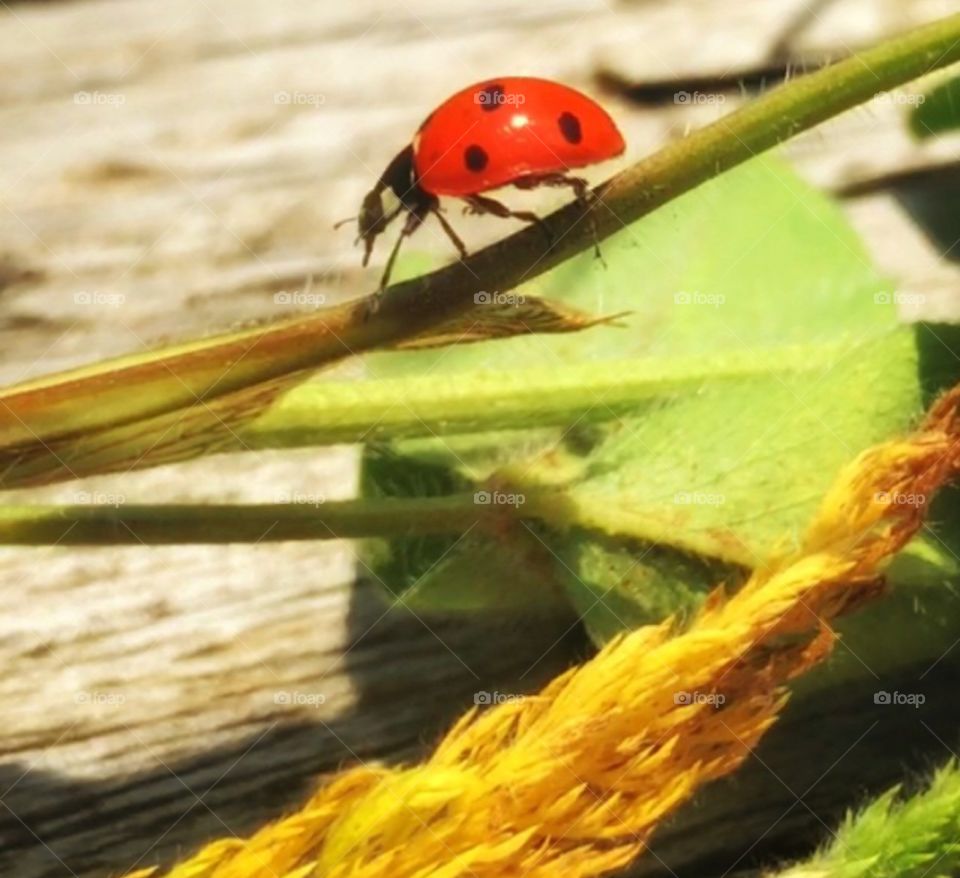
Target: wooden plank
column 165, row 169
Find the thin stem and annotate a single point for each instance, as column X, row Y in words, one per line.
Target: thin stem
column 327, row 412
column 309, row 517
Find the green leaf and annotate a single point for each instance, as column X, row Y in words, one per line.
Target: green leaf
column 894, row 835
column 702, row 482
column 939, row 112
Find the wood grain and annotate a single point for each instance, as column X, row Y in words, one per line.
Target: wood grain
column 165, row 170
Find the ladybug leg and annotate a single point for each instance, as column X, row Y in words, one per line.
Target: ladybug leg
column 583, row 194
column 411, row 224
column 451, row 234
column 480, row 204
column 596, row 239
column 580, row 187
column 369, row 235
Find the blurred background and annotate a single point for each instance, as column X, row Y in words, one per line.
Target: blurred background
column 167, row 170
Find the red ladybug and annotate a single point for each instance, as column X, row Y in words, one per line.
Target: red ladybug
column 516, row 130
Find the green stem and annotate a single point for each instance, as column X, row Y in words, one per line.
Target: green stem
column 327, row 412
column 309, row 517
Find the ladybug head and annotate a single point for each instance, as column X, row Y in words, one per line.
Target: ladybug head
column 371, row 220
column 399, row 183
column 399, row 180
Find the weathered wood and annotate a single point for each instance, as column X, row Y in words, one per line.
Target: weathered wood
column 166, row 169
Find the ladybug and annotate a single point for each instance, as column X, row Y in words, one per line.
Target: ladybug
column 515, row 130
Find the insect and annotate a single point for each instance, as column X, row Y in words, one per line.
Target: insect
column 515, row 130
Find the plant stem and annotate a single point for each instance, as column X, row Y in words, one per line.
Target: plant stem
column 171, row 523
column 325, row 412
column 310, row 518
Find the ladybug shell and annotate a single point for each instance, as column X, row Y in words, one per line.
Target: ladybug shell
column 502, row 130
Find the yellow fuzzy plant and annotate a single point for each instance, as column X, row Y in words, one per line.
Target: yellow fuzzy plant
column 572, row 781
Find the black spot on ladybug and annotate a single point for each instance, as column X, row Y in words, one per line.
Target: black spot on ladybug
column 570, row 128
column 475, row 158
column 491, row 97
